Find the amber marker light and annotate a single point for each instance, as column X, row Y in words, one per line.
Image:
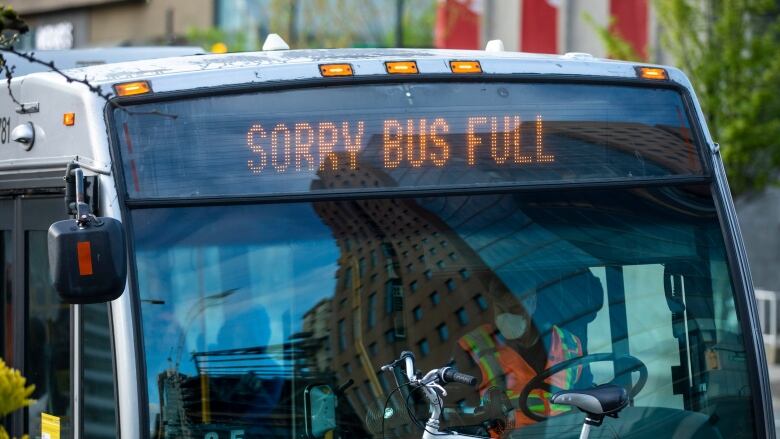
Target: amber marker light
column 465, row 67
column 69, row 119
column 132, row 88
column 401, row 67
column 336, row 69
column 652, row 73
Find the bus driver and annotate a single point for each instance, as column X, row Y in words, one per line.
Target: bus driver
column 519, row 345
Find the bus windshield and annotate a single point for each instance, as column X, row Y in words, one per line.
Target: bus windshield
column 259, row 315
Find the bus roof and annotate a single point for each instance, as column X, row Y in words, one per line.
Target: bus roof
column 76, row 58
column 190, row 72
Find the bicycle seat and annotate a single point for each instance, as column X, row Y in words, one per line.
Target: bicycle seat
column 602, row 400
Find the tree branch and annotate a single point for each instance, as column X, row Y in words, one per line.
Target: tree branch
column 96, row 89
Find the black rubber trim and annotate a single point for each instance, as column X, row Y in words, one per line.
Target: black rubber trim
column 140, row 203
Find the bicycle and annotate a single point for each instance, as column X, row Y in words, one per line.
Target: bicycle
column 596, row 403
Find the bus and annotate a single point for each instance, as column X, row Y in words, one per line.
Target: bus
column 284, row 243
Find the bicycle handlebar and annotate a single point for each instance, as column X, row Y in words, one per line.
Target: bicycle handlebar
column 450, row 375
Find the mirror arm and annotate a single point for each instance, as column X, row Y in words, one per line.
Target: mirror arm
column 83, row 212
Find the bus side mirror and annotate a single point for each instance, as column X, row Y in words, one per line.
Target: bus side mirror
column 87, row 260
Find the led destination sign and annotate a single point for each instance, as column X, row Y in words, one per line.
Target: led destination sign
column 401, row 136
column 413, row 142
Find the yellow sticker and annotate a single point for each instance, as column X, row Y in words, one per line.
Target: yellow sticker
column 50, row 426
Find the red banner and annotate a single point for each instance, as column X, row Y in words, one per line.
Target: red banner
column 631, row 23
column 458, row 24
column 539, row 26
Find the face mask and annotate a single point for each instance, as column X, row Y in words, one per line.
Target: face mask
column 511, row 326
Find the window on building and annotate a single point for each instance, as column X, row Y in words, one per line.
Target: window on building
column 413, row 286
column 362, row 267
column 410, row 267
column 435, row 298
column 371, row 314
column 373, row 258
column 347, row 368
column 342, row 335
column 444, row 333
column 463, row 317
column 388, row 297
column 453, row 256
column 481, row 302
column 347, row 282
column 390, row 336
column 417, row 313
column 421, row 258
column 428, row 274
column 464, row 273
column 450, row 284
column 424, row 347
column 440, row 264
column 373, row 349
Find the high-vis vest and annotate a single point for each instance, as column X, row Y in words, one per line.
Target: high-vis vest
column 505, row 369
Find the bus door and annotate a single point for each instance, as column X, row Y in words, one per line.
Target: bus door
column 39, row 341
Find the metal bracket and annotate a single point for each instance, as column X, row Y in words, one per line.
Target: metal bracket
column 715, row 148
column 28, row 107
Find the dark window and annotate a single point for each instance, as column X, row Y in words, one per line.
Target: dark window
column 388, row 297
column 372, row 349
column 444, row 333
column 463, row 317
column 453, row 256
column 390, row 336
column 413, row 286
column 373, row 277
column 425, row 349
column 440, row 264
column 373, row 258
column 342, row 335
column 450, row 284
column 417, row 313
column 464, row 273
column 479, row 299
column 428, row 274
column 421, row 258
column 347, row 368
column 433, row 250
column 362, row 267
column 347, row 282
column 371, row 315
column 435, row 298
column 410, row 267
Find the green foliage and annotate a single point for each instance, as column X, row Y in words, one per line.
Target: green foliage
column 11, row 26
column 206, row 38
column 616, row 46
column 731, row 51
column 14, row 393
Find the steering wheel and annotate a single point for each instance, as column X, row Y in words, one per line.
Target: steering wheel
column 627, row 363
